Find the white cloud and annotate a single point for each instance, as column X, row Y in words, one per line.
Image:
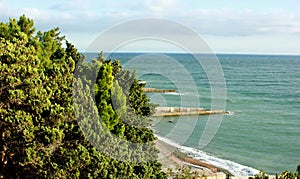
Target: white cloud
column 1, row 4
column 232, row 22
column 81, row 17
column 223, row 22
column 256, row 44
column 72, row 5
column 163, row 8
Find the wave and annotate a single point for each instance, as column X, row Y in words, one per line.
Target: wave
column 234, row 168
column 230, row 113
column 175, row 93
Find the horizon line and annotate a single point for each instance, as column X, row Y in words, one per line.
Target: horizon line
column 218, row 53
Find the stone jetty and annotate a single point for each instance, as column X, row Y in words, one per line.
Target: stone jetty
column 154, row 90
column 180, row 111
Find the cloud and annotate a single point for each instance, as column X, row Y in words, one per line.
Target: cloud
column 219, row 21
column 256, row 44
column 158, row 7
column 1, row 4
column 72, row 5
column 87, row 18
column 94, row 16
column 244, row 22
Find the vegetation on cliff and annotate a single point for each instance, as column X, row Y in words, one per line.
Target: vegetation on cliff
column 39, row 132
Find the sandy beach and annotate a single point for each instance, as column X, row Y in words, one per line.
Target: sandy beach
column 174, row 160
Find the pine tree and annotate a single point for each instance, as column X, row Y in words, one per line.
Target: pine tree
column 298, row 171
column 40, row 135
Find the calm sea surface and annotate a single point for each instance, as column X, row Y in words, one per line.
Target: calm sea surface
column 263, row 94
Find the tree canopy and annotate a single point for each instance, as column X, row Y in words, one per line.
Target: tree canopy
column 40, row 132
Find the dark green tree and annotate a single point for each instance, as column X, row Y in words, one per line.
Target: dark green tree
column 40, row 135
column 262, row 175
column 35, row 102
column 298, row 171
column 103, row 87
column 287, row 175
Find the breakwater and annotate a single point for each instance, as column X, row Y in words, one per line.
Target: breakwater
column 180, row 111
column 154, row 90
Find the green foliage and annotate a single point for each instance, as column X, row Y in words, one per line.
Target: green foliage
column 185, row 173
column 262, row 175
column 103, row 90
column 287, row 175
column 298, row 171
column 40, row 136
column 35, row 102
column 139, row 100
column 138, row 106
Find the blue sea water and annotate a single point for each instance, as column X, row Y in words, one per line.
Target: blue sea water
column 262, row 92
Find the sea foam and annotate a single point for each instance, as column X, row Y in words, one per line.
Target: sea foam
column 234, row 168
column 175, row 93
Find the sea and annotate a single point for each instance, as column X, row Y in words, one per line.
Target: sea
column 260, row 92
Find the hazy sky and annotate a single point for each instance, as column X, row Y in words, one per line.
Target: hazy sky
column 231, row 26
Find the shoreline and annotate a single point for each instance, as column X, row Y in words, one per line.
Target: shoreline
column 176, row 157
column 172, row 158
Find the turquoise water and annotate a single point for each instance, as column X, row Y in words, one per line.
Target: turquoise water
column 263, row 92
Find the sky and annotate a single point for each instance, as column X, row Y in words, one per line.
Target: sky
column 227, row 26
